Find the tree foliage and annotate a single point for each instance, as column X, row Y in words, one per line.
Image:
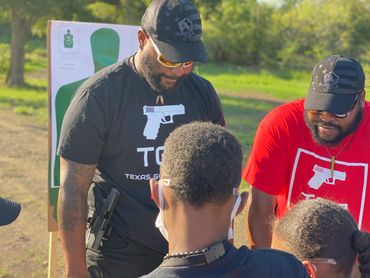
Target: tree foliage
column 238, row 32
column 133, row 10
column 25, row 14
column 245, row 32
column 317, row 28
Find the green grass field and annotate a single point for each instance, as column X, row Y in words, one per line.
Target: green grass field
column 274, row 84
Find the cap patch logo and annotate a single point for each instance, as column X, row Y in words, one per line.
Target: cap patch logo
column 330, row 80
column 186, row 28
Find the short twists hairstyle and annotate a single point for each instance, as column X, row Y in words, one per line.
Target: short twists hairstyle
column 204, row 163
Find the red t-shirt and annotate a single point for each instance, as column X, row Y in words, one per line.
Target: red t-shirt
column 285, row 161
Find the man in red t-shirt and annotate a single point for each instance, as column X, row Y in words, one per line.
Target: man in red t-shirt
column 312, row 148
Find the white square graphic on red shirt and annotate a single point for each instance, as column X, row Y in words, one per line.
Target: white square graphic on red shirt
column 346, row 187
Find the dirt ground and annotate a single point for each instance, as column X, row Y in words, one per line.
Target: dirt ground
column 23, row 178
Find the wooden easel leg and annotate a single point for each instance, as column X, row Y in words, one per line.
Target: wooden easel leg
column 52, row 265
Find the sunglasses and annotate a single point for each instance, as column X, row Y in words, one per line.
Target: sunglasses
column 164, row 62
column 315, row 112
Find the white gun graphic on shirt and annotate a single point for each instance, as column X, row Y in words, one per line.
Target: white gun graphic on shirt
column 324, row 175
column 158, row 115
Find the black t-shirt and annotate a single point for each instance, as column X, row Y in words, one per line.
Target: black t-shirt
column 113, row 121
column 240, row 262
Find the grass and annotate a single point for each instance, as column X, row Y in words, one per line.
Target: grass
column 247, row 94
column 243, row 115
column 32, row 98
column 36, row 56
column 29, row 100
column 3, row 272
column 274, row 84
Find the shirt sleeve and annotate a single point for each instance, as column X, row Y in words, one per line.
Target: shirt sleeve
column 267, row 166
column 85, row 127
column 215, row 109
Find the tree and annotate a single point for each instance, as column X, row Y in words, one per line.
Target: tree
column 20, row 28
column 23, row 14
column 133, row 10
column 313, row 29
column 236, row 31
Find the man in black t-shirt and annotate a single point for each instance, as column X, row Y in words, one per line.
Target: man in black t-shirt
column 198, row 199
column 112, row 140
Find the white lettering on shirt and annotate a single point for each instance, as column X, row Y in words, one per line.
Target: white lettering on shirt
column 141, row 177
column 146, row 150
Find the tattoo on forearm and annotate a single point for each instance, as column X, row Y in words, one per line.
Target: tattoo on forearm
column 73, row 194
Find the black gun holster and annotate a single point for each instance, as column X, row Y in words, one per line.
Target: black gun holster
column 98, row 221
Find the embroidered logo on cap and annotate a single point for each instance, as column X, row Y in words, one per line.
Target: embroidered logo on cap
column 330, row 80
column 186, row 28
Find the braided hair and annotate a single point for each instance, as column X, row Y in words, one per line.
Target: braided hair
column 361, row 243
column 323, row 229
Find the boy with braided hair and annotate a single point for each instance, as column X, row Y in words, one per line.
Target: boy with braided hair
column 325, row 237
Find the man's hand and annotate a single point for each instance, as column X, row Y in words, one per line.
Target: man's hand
column 260, row 219
column 72, row 210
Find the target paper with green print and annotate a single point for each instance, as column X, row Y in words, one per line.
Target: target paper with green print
column 76, row 51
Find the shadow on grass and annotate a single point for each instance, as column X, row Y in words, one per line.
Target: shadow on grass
column 27, row 86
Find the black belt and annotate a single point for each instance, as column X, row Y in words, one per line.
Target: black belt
column 198, row 258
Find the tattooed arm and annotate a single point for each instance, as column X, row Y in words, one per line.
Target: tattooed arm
column 72, row 209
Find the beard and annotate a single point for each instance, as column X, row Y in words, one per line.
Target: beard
column 153, row 77
column 322, row 139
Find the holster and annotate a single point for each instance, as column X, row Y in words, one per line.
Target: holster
column 98, row 224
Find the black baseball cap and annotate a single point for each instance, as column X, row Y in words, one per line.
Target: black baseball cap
column 176, row 29
column 336, row 83
column 9, row 211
